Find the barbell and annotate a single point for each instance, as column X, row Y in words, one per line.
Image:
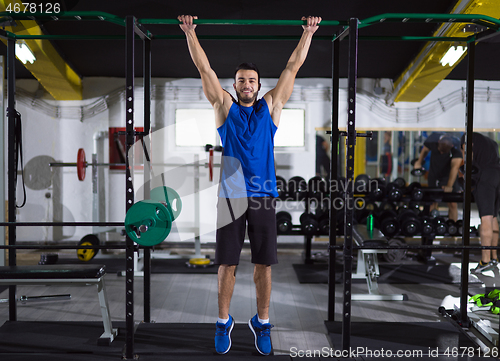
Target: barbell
column 82, row 164
column 149, row 222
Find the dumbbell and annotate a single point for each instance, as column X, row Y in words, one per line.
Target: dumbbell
column 400, row 182
column 389, row 224
column 281, row 186
column 378, row 189
column 394, row 193
column 324, row 223
column 459, row 223
column 362, row 183
column 427, row 226
column 395, row 189
column 308, row 224
column 409, row 223
column 434, row 213
column 417, row 172
column 283, row 222
column 317, row 187
column 415, row 207
column 297, row 187
column 440, row 226
column 452, row 227
column 415, row 191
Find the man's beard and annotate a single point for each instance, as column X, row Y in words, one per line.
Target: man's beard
column 246, row 100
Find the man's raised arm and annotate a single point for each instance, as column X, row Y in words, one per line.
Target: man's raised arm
column 277, row 97
column 211, row 85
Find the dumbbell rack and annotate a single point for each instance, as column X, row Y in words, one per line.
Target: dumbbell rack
column 297, row 228
column 428, row 197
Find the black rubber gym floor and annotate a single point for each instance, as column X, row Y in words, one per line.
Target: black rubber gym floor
column 75, row 341
column 389, row 273
column 405, row 340
column 153, row 341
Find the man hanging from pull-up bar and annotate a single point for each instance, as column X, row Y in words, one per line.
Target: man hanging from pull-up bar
column 246, row 127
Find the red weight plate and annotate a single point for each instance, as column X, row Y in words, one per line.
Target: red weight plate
column 211, row 165
column 81, row 164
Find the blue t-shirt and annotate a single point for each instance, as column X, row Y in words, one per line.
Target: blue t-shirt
column 247, row 137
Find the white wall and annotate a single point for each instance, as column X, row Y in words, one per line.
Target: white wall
column 58, row 129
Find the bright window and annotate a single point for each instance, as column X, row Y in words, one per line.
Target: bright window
column 291, row 129
column 196, row 127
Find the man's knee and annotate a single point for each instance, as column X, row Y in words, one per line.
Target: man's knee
column 227, row 269
column 486, row 229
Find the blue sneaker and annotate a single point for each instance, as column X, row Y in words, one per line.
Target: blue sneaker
column 223, row 336
column 262, row 333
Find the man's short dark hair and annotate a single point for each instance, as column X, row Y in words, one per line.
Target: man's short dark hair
column 462, row 139
column 248, row 66
column 446, row 139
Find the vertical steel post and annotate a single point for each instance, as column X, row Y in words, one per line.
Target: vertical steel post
column 129, row 198
column 333, row 185
column 11, row 165
column 349, row 194
column 147, row 171
column 3, row 139
column 469, row 121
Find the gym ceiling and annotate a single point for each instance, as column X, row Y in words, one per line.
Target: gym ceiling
column 73, row 60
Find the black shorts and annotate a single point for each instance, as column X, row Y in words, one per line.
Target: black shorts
column 487, row 193
column 233, row 214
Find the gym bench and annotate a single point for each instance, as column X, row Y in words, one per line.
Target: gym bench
column 367, row 267
column 65, row 274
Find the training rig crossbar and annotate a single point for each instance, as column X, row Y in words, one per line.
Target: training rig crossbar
column 135, row 28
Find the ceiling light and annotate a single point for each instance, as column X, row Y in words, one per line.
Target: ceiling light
column 453, row 54
column 24, row 53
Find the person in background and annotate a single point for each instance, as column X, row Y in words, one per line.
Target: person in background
column 486, row 195
column 445, row 162
column 386, row 157
column 322, row 157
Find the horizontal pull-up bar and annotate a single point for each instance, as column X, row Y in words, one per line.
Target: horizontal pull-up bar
column 479, row 19
column 401, row 17
column 241, row 22
column 168, row 37
column 455, row 39
column 98, row 15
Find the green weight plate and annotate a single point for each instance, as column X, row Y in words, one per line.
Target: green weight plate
column 148, row 223
column 170, row 197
